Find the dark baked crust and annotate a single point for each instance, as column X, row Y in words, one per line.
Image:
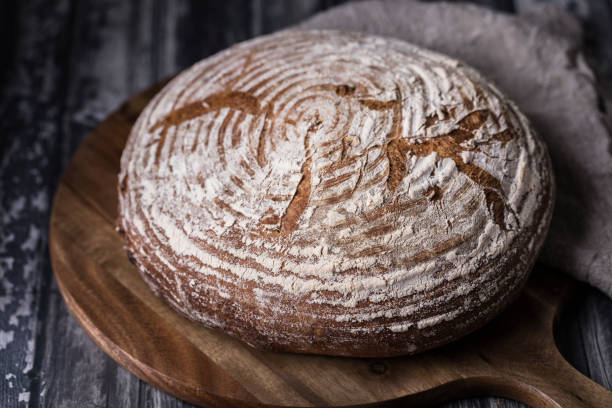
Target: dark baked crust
column 211, row 283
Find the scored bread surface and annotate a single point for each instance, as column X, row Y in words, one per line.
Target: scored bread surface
column 335, row 193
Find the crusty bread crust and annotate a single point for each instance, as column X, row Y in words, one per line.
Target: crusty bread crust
column 334, row 193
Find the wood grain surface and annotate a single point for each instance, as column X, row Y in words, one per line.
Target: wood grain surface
column 65, row 65
column 515, row 356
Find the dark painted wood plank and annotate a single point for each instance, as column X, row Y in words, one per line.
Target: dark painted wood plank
column 597, row 19
column 273, row 15
column 205, row 28
column 68, row 64
column 30, row 102
column 8, row 46
column 116, row 48
column 584, row 335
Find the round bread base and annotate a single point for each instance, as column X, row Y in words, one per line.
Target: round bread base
column 514, row 356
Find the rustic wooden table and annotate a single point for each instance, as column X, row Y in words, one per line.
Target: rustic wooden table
column 64, row 66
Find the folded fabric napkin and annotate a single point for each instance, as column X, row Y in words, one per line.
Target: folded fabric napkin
column 535, row 59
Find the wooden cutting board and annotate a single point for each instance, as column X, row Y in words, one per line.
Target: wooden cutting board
column 514, row 356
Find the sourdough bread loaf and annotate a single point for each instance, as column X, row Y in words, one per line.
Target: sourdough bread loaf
column 334, row 193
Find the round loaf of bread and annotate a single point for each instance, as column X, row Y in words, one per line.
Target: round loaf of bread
column 334, row 193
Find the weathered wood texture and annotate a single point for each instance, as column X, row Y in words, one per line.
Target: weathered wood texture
column 65, row 65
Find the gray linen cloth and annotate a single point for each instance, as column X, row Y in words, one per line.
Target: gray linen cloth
column 535, row 58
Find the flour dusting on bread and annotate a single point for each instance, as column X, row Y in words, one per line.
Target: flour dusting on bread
column 336, row 193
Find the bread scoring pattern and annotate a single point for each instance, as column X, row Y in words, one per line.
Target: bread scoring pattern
column 324, row 191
